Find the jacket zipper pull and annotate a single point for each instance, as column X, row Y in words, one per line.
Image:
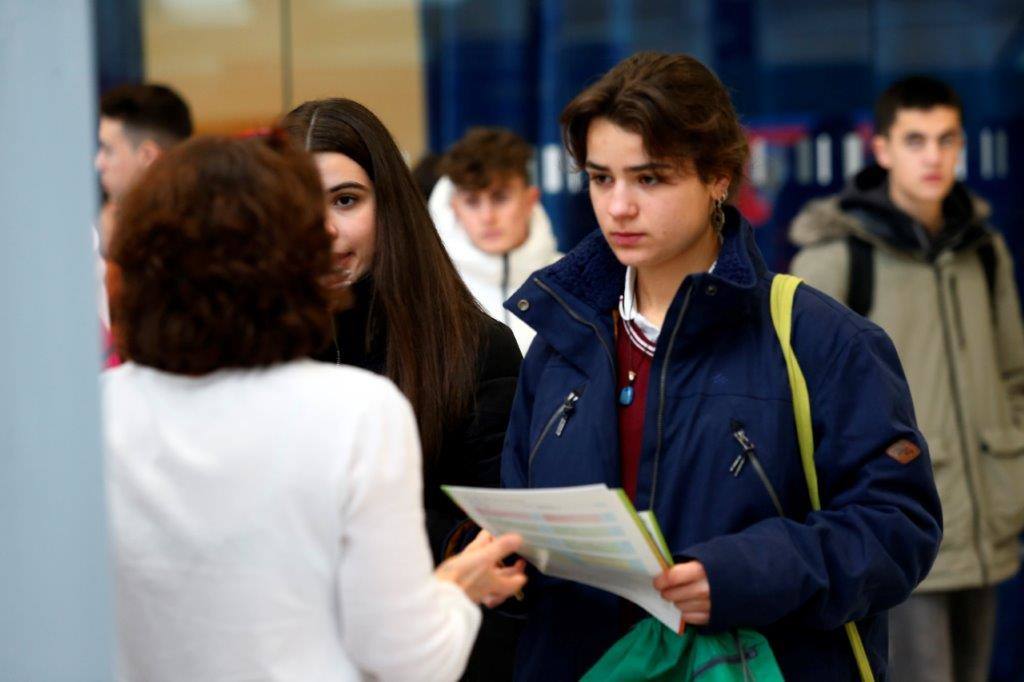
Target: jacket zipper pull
column 568, row 407
column 741, row 459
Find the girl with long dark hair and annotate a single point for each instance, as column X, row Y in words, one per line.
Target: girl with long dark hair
column 401, row 310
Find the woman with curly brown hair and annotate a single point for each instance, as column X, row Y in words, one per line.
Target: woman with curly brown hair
column 413, row 320
column 265, row 508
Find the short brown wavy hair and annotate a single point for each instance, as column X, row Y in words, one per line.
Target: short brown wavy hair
column 220, row 247
column 675, row 103
column 487, row 155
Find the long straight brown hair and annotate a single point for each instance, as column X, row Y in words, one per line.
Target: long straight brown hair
column 434, row 326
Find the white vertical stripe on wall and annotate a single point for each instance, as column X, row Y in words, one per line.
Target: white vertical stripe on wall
column 552, row 168
column 853, row 154
column 759, row 162
column 823, row 154
column 986, row 154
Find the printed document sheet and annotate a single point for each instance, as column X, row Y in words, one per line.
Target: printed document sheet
column 588, row 534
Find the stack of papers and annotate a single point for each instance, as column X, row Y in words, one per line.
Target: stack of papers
column 589, row 534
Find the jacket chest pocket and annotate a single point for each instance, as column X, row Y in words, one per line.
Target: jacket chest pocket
column 556, row 423
column 1002, row 464
column 758, row 465
column 740, row 460
column 748, row 455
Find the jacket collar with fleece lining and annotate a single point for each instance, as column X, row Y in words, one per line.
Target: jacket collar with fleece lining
column 589, row 280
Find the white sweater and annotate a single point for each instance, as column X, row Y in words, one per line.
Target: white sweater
column 268, row 525
column 490, row 278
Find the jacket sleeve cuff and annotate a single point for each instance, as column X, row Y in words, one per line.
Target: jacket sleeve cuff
column 734, row 592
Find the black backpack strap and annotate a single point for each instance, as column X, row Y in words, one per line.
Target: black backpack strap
column 987, row 255
column 860, row 288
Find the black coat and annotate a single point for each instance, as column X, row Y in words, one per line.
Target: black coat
column 470, row 451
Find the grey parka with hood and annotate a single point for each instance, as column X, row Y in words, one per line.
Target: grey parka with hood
column 962, row 350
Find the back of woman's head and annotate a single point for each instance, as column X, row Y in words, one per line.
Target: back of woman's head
column 433, row 324
column 675, row 104
column 219, row 250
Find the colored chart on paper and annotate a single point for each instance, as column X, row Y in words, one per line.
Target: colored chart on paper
column 588, row 534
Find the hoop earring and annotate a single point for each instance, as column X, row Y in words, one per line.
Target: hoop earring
column 718, row 217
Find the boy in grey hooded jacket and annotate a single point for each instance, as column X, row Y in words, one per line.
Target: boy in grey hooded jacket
column 909, row 247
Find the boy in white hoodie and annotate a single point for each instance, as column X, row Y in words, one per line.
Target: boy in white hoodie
column 488, row 215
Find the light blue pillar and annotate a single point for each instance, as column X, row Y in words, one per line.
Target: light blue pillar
column 55, row 596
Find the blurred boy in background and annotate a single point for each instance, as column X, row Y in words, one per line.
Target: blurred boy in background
column 908, row 246
column 137, row 124
column 488, row 215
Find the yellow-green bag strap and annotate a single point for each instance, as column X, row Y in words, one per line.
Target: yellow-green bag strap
column 783, row 290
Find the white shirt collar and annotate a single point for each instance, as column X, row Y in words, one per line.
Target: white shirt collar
column 628, row 309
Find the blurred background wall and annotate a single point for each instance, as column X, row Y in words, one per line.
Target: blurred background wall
column 803, row 76
column 243, row 63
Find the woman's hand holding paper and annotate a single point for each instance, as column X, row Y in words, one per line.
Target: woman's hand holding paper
column 479, row 572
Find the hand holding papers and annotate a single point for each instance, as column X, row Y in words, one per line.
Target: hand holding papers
column 588, row 534
column 478, row 572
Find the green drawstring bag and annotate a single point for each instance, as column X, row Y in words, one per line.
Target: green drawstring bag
column 650, row 651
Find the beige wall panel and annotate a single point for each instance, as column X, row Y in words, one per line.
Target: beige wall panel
column 367, row 50
column 224, row 56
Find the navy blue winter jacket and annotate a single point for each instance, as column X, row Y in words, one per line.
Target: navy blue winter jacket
column 718, row 369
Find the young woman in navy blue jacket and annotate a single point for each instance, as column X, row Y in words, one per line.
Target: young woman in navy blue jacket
column 656, row 368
